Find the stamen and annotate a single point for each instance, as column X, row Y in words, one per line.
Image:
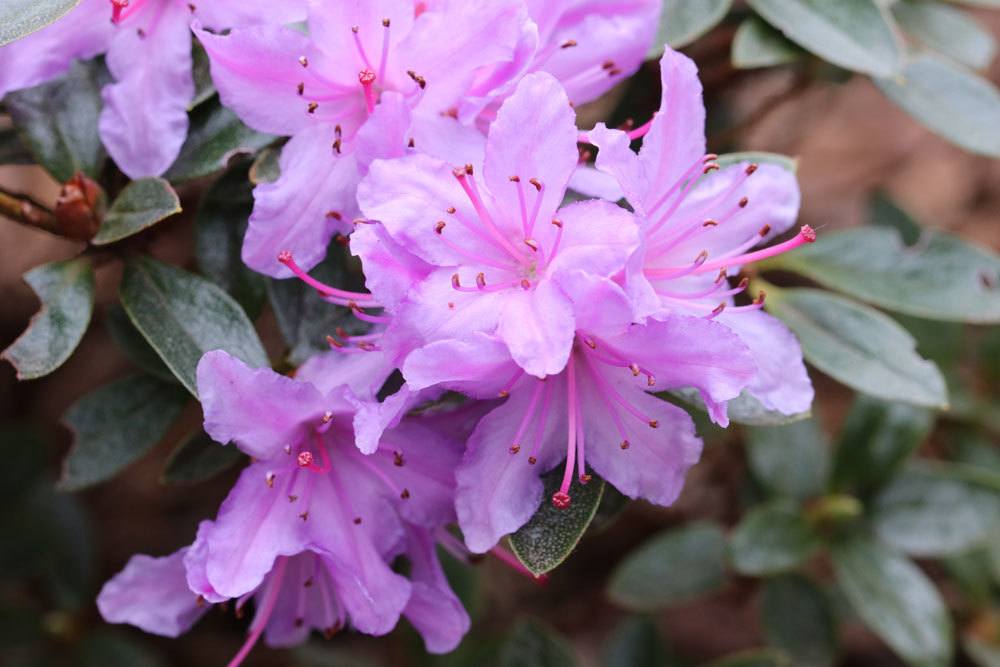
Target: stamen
column 805, row 235
column 263, row 615
column 561, row 499
column 286, row 258
column 699, row 163
column 529, row 412
column 361, row 49
column 540, row 424
column 117, row 7
column 385, row 49
column 468, row 183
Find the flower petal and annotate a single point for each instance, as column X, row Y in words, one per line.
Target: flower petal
column 311, row 200
column 433, row 609
column 333, row 24
column 391, row 271
column 600, row 306
column 306, row 601
column 152, row 594
column 597, row 236
column 219, row 14
column 144, row 121
column 538, row 327
column 479, row 365
column 258, row 409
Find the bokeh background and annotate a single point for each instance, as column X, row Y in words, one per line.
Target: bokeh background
column 853, row 146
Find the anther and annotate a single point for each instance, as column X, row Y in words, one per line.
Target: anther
column 525, row 284
column 557, row 223
column 397, row 459
column 650, row 380
column 421, row 81
column 385, row 23
column 744, row 201
column 709, row 168
column 269, row 479
column 481, row 280
column 405, row 494
column 503, row 393
column 357, row 521
column 450, row 210
column 585, row 479
column 292, row 498
column 311, row 108
column 635, row 369
column 300, row 88
column 335, row 215
column 514, row 449
column 751, row 168
column 764, row 231
column 532, row 460
column 304, row 516
column 569, row 43
column 531, row 243
column 710, row 223
column 560, row 500
column 717, row 310
column 439, row 227
column 307, row 583
column 515, row 179
column 537, row 183
column 303, row 61
column 625, row 444
column 355, row 29
column 761, row 297
column 654, row 423
column 455, row 281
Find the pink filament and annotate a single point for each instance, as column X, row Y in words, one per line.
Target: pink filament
column 263, row 615
column 571, row 434
column 285, row 257
column 805, row 235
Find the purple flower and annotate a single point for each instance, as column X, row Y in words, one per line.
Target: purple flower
column 312, row 525
column 595, row 413
column 589, row 45
column 370, row 79
column 148, row 45
column 506, row 262
column 698, row 226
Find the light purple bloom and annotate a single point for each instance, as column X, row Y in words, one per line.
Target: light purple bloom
column 505, row 259
column 370, row 79
column 699, row 226
column 148, row 45
column 312, row 525
column 596, row 413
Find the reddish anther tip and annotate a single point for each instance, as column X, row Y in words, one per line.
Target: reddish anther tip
column 654, row 423
column 561, row 500
column 525, row 284
column 532, row 460
column 568, row 44
column 585, row 479
column 304, row 459
column 751, row 168
column 537, row 183
column 514, row 449
column 439, row 227
column 455, row 282
column 531, row 243
column 765, row 230
column 625, row 444
column 744, row 201
column 481, row 280
column 808, row 234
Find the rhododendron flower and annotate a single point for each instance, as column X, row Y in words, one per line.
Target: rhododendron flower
column 589, row 45
column 700, row 225
column 596, row 413
column 505, row 260
column 324, row 88
column 148, row 44
column 312, row 525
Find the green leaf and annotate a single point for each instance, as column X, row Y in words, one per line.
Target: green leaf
column 551, row 534
column 947, row 30
column 940, row 278
column 12, row 149
column 530, row 644
column 896, row 601
column 304, row 318
column 142, row 204
column 58, row 121
column 858, row 346
column 771, row 539
column 929, row 514
column 201, row 72
column 960, row 106
column 215, row 136
column 199, row 458
column 754, row 658
column 877, row 438
column 184, row 316
column 115, row 425
column 635, row 643
column 66, row 290
column 853, row 34
column 682, row 22
column 266, row 167
column 798, row 619
column 25, row 457
column 674, row 566
column 982, row 653
column 133, row 345
column 791, row 461
column 20, row 18
column 883, row 212
column 219, row 227
column 744, row 409
column 756, row 44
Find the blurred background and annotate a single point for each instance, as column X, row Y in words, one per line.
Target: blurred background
column 859, row 157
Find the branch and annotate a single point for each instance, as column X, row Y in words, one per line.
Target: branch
column 22, row 208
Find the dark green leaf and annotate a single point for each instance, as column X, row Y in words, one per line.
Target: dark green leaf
column 304, row 318
column 115, row 425
column 199, row 458
column 66, row 290
column 757, row 44
column 941, row 278
column 58, row 121
column 530, row 644
column 184, row 316
column 105, row 648
column 142, row 204
column 858, row 346
column 673, row 567
column 884, row 212
column 947, row 30
column 744, row 409
column 551, row 534
column 896, row 600
column 266, row 168
column 850, row 33
column 215, row 136
column 876, row 440
column 682, row 22
column 201, row 72
column 972, row 571
column 982, row 653
column 791, row 461
column 924, row 513
column 763, row 658
column 219, row 228
column 20, row 18
column 798, row 619
column 960, row 106
column 12, row 149
column 133, row 345
column 635, row 643
column 772, row 538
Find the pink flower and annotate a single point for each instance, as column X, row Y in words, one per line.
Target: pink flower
column 148, row 46
column 699, row 227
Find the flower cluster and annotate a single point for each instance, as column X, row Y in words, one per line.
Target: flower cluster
column 440, row 138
